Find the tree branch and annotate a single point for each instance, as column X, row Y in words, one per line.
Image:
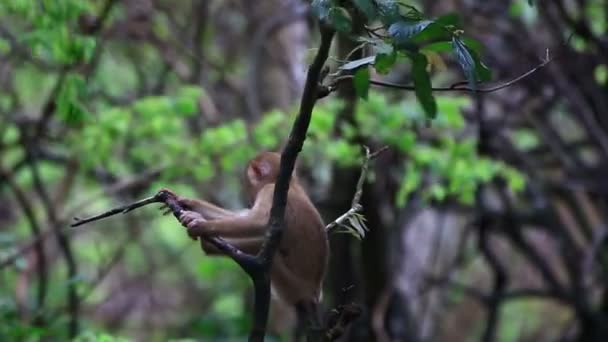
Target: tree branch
column 276, row 222
column 460, row 86
column 356, row 206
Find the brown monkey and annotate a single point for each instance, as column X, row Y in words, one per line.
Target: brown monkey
column 301, row 259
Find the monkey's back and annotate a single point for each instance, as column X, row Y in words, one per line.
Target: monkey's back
column 304, row 250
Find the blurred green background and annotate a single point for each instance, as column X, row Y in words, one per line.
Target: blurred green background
column 486, row 223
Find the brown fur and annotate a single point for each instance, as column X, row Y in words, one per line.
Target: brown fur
column 300, row 262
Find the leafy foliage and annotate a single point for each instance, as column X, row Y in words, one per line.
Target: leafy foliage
column 404, row 32
column 116, row 123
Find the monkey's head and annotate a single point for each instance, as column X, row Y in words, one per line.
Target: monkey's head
column 262, row 170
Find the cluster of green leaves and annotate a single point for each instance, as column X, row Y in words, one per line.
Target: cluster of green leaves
column 442, row 162
column 154, row 131
column 397, row 32
column 52, row 36
column 91, row 336
column 142, row 133
column 12, row 327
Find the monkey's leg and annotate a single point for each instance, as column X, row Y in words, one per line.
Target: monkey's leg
column 309, row 320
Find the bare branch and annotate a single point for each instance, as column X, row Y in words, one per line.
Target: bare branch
column 356, row 206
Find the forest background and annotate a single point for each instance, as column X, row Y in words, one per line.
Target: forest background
column 486, row 221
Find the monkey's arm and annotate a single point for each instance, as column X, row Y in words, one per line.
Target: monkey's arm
column 245, row 232
column 248, row 224
column 207, row 210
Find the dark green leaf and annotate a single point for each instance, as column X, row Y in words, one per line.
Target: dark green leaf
column 340, row 19
column 473, row 44
column 482, row 72
column 422, row 83
column 403, row 31
column 320, row 8
column 358, row 63
column 475, row 48
column 367, row 7
column 438, row 47
column 452, row 19
column 384, row 62
column 411, row 13
column 466, row 61
column 388, row 10
column 73, row 114
column 69, row 107
column 432, row 32
column 361, row 82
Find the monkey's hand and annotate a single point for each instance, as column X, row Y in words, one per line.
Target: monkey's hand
column 195, row 222
column 184, row 203
column 170, row 192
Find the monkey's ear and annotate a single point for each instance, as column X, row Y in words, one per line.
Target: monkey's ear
column 261, row 169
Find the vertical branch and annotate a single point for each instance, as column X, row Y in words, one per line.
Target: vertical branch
column 294, row 146
column 276, row 222
column 500, row 281
column 38, row 245
column 499, row 273
column 62, row 239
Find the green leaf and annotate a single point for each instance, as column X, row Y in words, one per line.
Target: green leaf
column 438, row 192
column 474, row 48
column 451, row 19
column 69, row 107
column 473, row 44
column 186, row 102
column 466, row 61
column 601, row 74
column 274, row 121
column 384, row 62
column 422, row 83
column 340, row 19
column 403, row 31
column 361, row 82
column 411, row 180
column 228, row 305
column 515, row 179
column 5, row 46
column 432, row 32
column 438, row 47
column 482, row 72
column 525, row 139
column 367, row 7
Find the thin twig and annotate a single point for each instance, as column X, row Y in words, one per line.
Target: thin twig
column 39, row 239
column 36, row 232
column 356, row 206
column 243, row 259
column 120, row 210
column 459, row 86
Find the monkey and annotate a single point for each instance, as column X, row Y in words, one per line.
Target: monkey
column 300, row 262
